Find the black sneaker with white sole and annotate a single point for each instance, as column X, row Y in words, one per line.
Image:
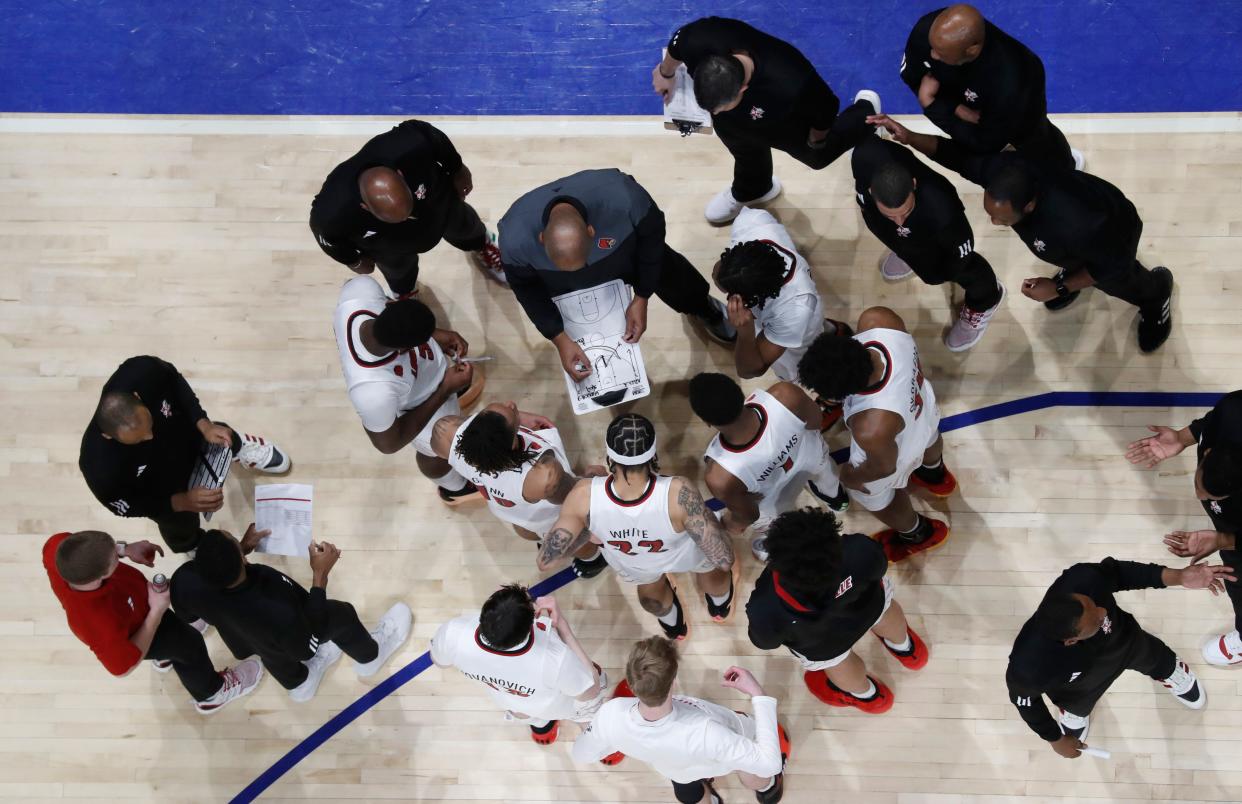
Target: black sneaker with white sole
column 774, row 793
column 720, row 613
column 591, row 568
column 679, row 630
column 465, row 494
column 1155, row 323
column 839, row 503
column 718, row 328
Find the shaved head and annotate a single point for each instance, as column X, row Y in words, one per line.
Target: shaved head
column 957, row 34
column 385, row 194
column 123, row 417
column 566, row 238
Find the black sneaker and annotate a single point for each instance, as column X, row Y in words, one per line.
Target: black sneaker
column 839, row 503
column 719, row 329
column 774, row 793
column 589, row 569
column 465, row 494
column 720, row 613
column 1060, row 303
column 1156, row 323
column 680, row 630
column 929, row 475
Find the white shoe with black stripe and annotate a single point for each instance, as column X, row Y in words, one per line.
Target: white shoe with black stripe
column 258, row 453
column 316, row 666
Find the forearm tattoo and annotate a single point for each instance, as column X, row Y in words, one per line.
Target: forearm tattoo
column 704, row 528
column 560, row 543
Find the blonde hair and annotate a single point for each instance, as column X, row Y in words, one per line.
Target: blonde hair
column 651, row 669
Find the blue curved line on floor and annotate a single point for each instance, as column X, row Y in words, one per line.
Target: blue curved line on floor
column 1052, row 399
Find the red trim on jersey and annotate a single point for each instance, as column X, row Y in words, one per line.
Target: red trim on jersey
column 888, row 369
column 785, row 596
column 349, row 341
column 478, row 640
column 763, row 426
column 642, row 498
column 793, row 261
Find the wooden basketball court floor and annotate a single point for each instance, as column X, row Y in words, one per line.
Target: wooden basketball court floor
column 190, row 241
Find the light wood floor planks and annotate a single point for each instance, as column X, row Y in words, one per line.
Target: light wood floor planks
column 195, row 247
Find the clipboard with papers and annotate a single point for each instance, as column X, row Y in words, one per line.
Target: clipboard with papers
column 211, row 469
column 683, row 113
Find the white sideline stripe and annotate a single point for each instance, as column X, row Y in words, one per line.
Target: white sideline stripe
column 1205, row 123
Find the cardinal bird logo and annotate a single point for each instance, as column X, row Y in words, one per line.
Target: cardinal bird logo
column 421, row 192
column 788, row 464
column 1215, row 506
column 755, row 113
column 971, row 95
column 606, row 242
column 166, row 409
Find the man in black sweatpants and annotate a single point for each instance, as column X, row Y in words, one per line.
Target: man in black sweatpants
column 1079, row 642
column 146, row 438
column 261, row 611
column 1218, row 486
column 917, row 213
column 762, row 94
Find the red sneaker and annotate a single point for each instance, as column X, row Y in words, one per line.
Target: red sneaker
column 548, row 735
column 623, row 690
column 913, row 659
column 943, row 489
column 612, row 759
column 898, row 550
column 817, row 682
column 784, row 738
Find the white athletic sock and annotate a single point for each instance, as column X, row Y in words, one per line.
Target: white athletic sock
column 451, row 481
column 906, row 644
column 869, row 693
column 592, row 557
column 723, row 599
column 771, row 782
column 935, row 465
column 670, row 618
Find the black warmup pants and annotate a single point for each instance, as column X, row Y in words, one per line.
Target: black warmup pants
column 1149, row 656
column 1047, row 145
column 1136, row 284
column 454, row 221
column 683, row 288
column 690, row 793
column 1230, row 558
column 181, row 529
column 177, row 642
column 973, row 272
column 343, row 627
column 752, row 154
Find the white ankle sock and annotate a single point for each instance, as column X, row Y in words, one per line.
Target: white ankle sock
column 935, row 465
column 670, row 618
column 771, row 782
column 723, row 599
column 868, row 693
column 904, row 646
column 451, row 481
column 592, row 557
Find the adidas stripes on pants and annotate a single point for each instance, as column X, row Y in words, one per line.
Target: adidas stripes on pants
column 1148, row 655
column 342, row 627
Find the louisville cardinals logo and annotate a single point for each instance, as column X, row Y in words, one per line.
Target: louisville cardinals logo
column 1107, row 625
column 606, row 242
column 755, row 113
column 503, row 503
column 846, row 585
column 970, row 95
column 421, row 192
column 788, row 464
column 1215, row 506
column 166, row 409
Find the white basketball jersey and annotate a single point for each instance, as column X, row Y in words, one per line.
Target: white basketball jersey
column 778, row 461
column 637, row 535
column 381, row 387
column 503, row 492
column 795, row 317
column 902, row 390
column 539, row 679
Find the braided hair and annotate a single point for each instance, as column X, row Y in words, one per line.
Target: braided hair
column 488, row 444
column 754, row 270
column 632, row 434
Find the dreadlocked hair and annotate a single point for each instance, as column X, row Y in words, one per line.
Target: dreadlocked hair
column 632, row 434
column 488, row 444
column 754, row 270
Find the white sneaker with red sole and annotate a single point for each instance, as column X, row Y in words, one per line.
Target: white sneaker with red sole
column 488, row 260
column 971, row 324
column 258, row 453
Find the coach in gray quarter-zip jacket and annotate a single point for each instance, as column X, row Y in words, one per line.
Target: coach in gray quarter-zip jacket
column 588, row 229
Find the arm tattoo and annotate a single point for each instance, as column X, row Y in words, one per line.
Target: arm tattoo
column 704, row 528
column 559, row 543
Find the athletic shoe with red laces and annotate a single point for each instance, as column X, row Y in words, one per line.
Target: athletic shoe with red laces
column 817, row 682
column 913, row 659
column 942, row 487
column 259, row 453
column 1223, row 650
column 899, row 549
column 239, row 681
column 488, row 260
column 546, row 735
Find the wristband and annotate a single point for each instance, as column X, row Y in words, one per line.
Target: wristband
column 121, row 547
column 669, row 77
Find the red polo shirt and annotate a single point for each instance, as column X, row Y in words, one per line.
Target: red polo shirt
column 103, row 618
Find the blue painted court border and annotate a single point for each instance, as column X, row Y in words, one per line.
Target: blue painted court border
column 1052, row 399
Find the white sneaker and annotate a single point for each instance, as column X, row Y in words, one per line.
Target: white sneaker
column 200, row 625
column 1074, row 725
column 1185, row 687
column 1223, row 650
column 391, row 633
column 724, row 207
column 239, row 681
column 161, row 665
column 488, row 260
column 1080, row 161
column 970, row 325
column 259, row 453
column 759, row 548
column 894, row 268
column 872, row 97
column 316, row 666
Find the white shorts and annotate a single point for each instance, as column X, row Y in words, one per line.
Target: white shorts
column 807, row 664
column 422, row 441
column 694, row 562
column 880, row 493
column 566, row 708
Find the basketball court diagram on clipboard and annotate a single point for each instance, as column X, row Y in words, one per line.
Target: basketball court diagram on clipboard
column 595, row 319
